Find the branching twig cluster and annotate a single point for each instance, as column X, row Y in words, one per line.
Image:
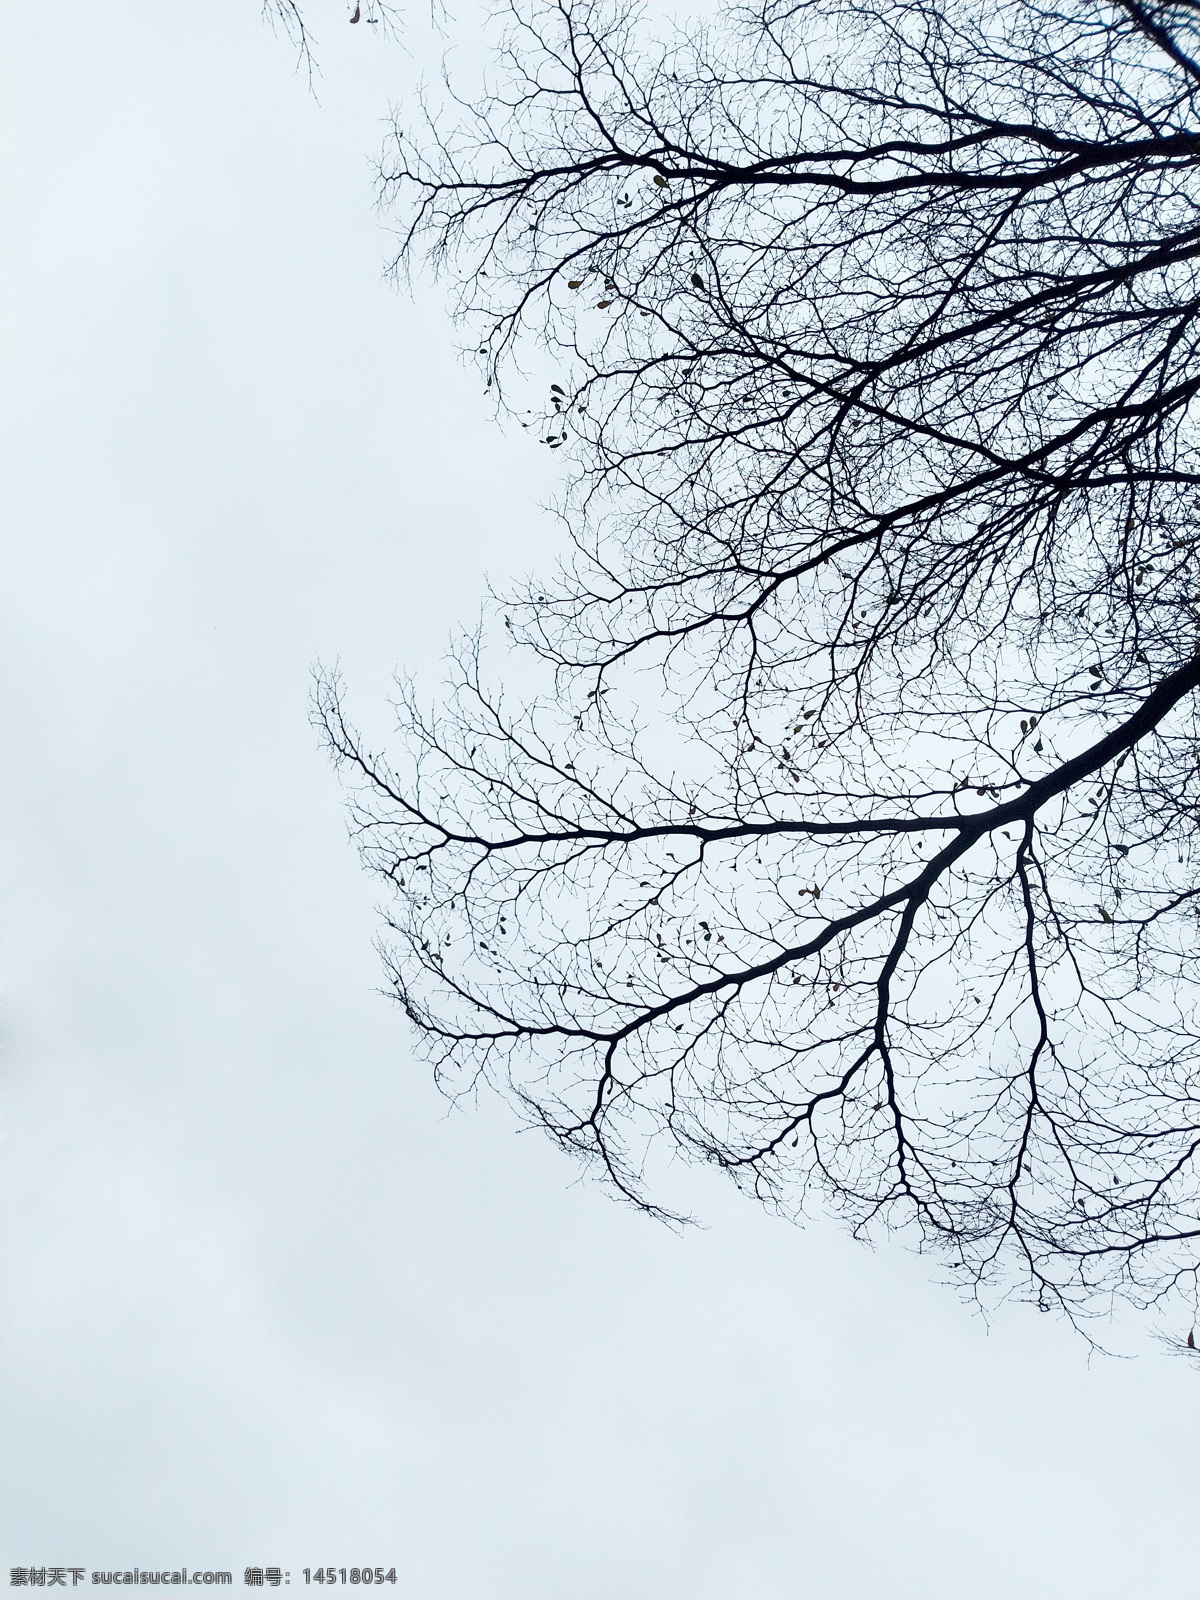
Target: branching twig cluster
column 854, row 848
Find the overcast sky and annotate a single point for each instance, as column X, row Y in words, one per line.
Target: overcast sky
column 266, row 1301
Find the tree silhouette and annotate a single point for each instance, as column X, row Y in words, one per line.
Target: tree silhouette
column 850, row 844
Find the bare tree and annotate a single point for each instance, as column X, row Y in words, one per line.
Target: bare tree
column 851, row 843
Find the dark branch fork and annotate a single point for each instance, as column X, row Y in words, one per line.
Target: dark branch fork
column 345, row 746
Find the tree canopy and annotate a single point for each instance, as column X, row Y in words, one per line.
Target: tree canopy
column 850, row 844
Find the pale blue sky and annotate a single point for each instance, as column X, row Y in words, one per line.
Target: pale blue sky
column 266, row 1301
